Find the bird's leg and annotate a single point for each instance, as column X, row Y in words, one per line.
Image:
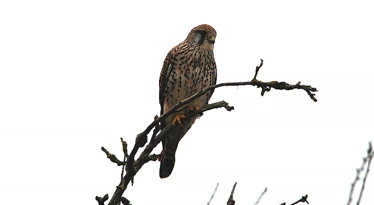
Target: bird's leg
column 178, row 119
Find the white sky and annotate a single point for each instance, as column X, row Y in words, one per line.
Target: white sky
column 78, row 75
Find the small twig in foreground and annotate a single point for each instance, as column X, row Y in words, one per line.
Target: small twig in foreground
column 231, row 200
column 369, row 157
column 213, row 194
column 365, row 160
column 262, row 194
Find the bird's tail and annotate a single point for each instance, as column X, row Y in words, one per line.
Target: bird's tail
column 170, row 145
column 168, row 156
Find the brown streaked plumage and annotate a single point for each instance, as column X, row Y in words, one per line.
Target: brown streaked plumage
column 188, row 68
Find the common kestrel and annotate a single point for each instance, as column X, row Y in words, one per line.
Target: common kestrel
column 188, row 68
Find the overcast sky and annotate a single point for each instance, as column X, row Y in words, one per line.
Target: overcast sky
column 78, row 75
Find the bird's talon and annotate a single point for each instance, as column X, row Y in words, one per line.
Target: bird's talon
column 178, row 119
column 195, row 108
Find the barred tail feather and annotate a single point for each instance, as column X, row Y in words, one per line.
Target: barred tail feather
column 170, row 145
column 168, row 158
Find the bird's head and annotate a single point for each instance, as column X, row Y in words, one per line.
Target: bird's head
column 203, row 35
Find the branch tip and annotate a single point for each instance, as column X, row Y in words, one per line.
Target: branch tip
column 231, row 200
column 258, row 69
column 262, row 194
column 303, row 199
column 112, row 157
column 365, row 160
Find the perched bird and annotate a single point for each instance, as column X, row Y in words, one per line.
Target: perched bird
column 188, row 68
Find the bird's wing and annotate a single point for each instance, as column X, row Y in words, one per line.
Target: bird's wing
column 164, row 78
column 214, row 81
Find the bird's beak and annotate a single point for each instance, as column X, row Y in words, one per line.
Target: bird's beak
column 212, row 39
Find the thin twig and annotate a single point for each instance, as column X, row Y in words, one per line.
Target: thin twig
column 258, row 69
column 113, row 157
column 303, row 199
column 231, row 200
column 124, row 147
column 213, row 194
column 262, row 194
column 125, row 155
column 369, row 158
column 358, row 172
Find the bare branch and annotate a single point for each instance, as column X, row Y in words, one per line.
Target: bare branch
column 133, row 166
column 124, row 149
column 262, row 194
column 303, row 199
column 369, row 157
column 113, row 157
column 231, row 200
column 213, row 194
column 156, row 130
column 258, row 69
column 365, row 160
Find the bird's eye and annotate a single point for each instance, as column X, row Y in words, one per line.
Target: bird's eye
column 202, row 33
column 200, row 39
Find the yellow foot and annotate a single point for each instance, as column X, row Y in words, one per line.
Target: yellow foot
column 178, row 119
column 196, row 108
